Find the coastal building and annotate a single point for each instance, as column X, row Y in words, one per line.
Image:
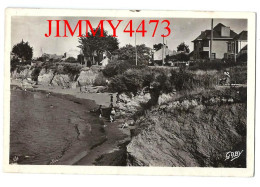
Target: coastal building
column 162, row 53
column 221, row 36
column 52, row 57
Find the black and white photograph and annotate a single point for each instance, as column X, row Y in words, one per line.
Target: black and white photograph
column 130, row 91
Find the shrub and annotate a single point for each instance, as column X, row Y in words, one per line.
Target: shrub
column 238, row 74
column 49, row 66
column 71, row 60
column 133, row 80
column 183, row 57
column 14, row 63
column 130, row 81
column 116, row 67
column 71, row 69
column 117, row 84
column 148, row 77
column 182, row 80
column 214, row 65
column 35, row 73
column 100, row 80
column 162, row 83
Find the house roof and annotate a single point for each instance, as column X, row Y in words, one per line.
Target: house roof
column 241, row 36
column 216, row 33
column 158, row 54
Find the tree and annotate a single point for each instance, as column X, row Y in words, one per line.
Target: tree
column 128, row 53
column 71, row 59
column 23, row 50
column 92, row 46
column 183, row 57
column 183, row 48
column 158, row 46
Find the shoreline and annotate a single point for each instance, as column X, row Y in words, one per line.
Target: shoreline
column 116, row 137
column 99, row 98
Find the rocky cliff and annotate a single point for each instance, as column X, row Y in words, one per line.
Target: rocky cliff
column 190, row 133
column 56, row 77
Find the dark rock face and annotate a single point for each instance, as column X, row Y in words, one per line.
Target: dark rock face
column 189, row 134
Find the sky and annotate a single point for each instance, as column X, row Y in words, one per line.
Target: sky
column 32, row 29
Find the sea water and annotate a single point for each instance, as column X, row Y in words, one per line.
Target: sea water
column 45, row 127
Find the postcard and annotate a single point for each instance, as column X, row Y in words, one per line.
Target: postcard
column 129, row 92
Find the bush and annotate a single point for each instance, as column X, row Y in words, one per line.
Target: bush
column 214, row 65
column 183, row 57
column 238, row 74
column 35, row 73
column 115, row 68
column 129, row 81
column 182, row 80
column 71, row 60
column 14, row 63
column 118, row 67
column 71, row 69
column 49, row 66
column 100, row 80
column 134, row 80
column 117, row 84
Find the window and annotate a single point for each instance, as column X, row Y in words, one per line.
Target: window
column 229, row 47
column 206, row 43
column 236, row 46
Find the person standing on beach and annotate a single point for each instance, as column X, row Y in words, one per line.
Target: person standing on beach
column 79, row 86
column 100, row 112
column 112, row 115
column 111, row 98
column 117, row 98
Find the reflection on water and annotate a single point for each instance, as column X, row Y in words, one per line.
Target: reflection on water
column 44, row 128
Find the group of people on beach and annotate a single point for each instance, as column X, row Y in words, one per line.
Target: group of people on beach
column 111, row 108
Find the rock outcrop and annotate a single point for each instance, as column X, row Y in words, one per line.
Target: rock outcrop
column 45, row 77
column 189, row 134
column 57, row 77
column 61, row 80
column 23, row 74
column 127, row 105
column 87, row 75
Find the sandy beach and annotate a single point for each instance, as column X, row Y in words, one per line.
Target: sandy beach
column 99, row 98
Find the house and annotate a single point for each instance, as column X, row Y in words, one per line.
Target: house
column 164, row 52
column 53, row 57
column 238, row 43
column 221, row 36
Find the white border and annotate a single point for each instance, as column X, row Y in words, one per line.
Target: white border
column 191, row 171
